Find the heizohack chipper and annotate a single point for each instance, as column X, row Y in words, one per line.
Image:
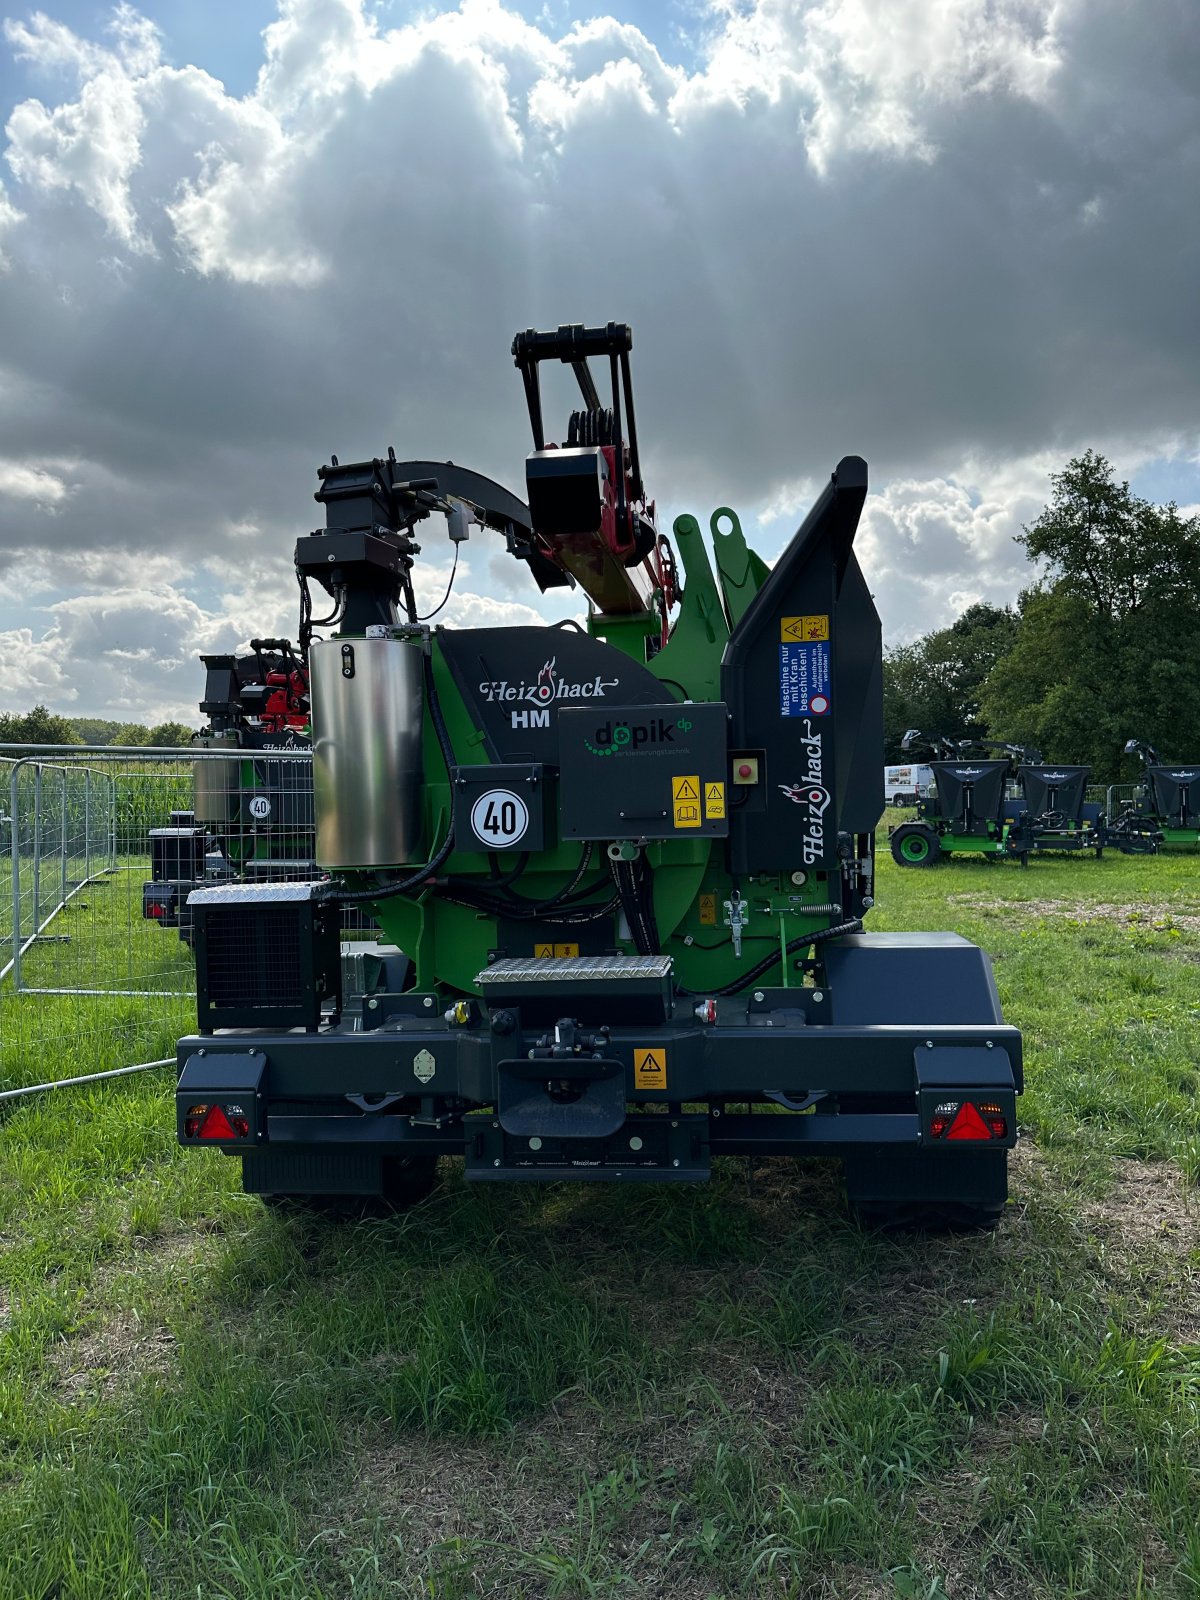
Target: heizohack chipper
column 628, row 861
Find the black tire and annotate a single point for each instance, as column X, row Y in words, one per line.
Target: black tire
column 899, row 801
column 928, row 1217
column 406, row 1180
column 915, row 845
column 905, row 1190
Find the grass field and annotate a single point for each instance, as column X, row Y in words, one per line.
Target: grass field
column 718, row 1391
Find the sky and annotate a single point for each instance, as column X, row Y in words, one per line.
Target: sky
column 960, row 238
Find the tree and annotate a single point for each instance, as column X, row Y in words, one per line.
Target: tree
column 39, row 726
column 936, row 683
column 94, row 730
column 1108, row 646
column 170, row 733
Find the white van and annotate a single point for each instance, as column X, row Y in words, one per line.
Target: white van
column 901, row 785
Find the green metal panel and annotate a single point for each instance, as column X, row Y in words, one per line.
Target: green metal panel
column 625, row 633
column 690, row 661
column 450, row 943
column 742, row 573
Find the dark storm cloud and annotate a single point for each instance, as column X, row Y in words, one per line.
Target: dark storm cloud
column 957, row 253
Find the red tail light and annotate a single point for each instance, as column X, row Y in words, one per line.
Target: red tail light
column 968, row 1124
column 212, row 1122
column 995, row 1119
column 156, row 910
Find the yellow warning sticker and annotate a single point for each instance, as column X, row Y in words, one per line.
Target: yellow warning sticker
column 714, row 802
column 799, row 630
column 685, row 800
column 708, row 910
column 566, row 950
column 543, row 952
column 650, row 1069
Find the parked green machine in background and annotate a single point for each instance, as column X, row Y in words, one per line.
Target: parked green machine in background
column 1015, row 806
column 1165, row 812
column 629, row 861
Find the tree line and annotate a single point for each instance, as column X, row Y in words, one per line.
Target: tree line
column 1103, row 647
column 43, row 726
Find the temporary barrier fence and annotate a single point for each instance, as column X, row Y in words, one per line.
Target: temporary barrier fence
column 102, row 846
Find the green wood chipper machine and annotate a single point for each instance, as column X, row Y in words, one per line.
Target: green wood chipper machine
column 628, row 861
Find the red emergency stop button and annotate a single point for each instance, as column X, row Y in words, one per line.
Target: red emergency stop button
column 745, row 769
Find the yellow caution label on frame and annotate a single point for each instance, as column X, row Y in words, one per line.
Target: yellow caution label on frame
column 649, row 1068
column 714, row 802
column 803, row 630
column 685, row 801
column 543, row 952
column 708, row 910
column 566, row 951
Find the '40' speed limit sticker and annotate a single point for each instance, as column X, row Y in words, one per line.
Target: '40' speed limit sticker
column 499, row 818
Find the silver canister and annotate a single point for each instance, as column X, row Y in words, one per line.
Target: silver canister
column 368, row 708
column 217, row 784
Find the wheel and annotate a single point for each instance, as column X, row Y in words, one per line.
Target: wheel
column 407, row 1179
column 915, row 845
column 928, row 1216
column 905, row 1190
column 899, row 801
column 404, row 1181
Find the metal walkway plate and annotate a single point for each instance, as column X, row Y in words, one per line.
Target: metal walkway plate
column 574, row 969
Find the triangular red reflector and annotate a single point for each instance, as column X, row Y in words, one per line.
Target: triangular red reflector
column 968, row 1124
column 217, row 1125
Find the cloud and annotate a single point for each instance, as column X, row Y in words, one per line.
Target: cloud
column 931, row 547
column 877, row 76
column 131, row 652
column 32, row 481
column 9, row 217
column 945, row 236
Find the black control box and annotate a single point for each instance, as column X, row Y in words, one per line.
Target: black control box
column 644, row 772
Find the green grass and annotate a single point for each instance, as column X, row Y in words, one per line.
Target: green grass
column 721, row 1391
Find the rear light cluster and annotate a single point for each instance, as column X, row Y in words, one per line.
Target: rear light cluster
column 155, row 910
column 216, row 1122
column 969, row 1121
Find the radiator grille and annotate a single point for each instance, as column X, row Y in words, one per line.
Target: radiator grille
column 267, row 955
column 254, row 957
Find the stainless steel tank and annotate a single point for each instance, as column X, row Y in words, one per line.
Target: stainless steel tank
column 216, row 784
column 368, row 707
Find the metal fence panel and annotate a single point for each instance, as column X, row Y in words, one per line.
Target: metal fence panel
column 1118, row 795
column 85, row 974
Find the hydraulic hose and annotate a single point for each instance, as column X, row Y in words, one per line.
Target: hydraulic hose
column 756, row 972
column 636, row 903
column 465, row 892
